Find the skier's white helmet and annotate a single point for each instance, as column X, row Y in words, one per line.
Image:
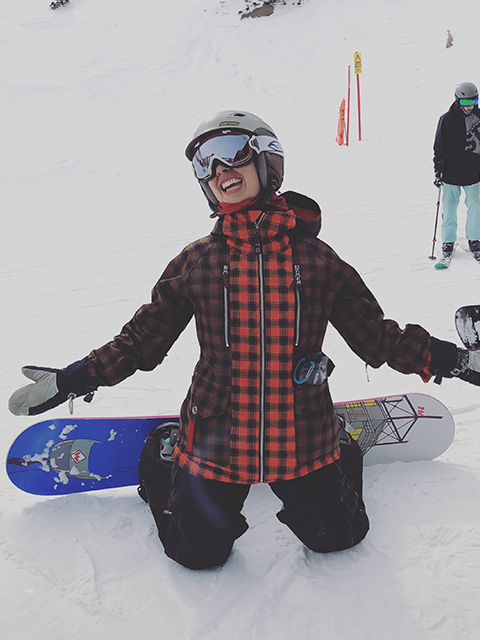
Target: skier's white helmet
column 466, row 94
column 235, row 138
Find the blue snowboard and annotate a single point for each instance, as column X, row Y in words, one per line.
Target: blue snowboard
column 71, row 455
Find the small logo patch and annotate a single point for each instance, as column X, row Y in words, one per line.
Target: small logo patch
column 77, row 456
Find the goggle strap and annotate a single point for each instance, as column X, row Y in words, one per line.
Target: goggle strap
column 263, row 143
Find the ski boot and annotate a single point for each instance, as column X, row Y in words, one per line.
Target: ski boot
column 474, row 246
column 447, row 249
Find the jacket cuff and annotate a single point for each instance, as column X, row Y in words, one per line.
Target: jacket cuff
column 443, row 358
column 75, row 379
column 425, row 374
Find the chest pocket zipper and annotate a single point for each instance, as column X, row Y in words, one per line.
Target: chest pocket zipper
column 226, row 305
column 299, row 301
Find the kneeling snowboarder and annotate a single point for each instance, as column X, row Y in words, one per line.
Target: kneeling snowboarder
column 262, row 288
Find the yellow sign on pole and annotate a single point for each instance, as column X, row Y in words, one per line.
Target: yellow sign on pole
column 357, row 58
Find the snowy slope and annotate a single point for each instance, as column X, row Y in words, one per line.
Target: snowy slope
column 99, row 99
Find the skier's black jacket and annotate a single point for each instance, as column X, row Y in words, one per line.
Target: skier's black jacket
column 452, row 160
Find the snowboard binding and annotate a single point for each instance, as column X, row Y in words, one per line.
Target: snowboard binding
column 164, row 437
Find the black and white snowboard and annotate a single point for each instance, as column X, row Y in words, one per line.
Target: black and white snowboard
column 467, row 321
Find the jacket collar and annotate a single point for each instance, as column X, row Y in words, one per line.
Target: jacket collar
column 307, row 213
column 249, row 231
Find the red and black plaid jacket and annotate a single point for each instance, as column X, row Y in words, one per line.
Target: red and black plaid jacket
column 262, row 288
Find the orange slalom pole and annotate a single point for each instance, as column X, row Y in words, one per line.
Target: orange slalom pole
column 341, row 123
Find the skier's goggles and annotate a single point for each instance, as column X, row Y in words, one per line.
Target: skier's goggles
column 232, row 150
column 468, row 102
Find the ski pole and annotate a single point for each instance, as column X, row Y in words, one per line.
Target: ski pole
column 432, row 257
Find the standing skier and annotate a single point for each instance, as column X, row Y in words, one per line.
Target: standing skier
column 262, row 288
column 457, row 165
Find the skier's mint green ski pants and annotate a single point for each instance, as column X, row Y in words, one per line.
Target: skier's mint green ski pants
column 450, row 200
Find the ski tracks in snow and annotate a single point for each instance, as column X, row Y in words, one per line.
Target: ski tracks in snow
column 441, row 560
column 71, row 564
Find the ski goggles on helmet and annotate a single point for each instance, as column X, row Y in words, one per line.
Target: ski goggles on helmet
column 230, row 149
column 468, row 102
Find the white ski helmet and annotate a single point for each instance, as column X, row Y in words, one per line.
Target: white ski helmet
column 466, row 91
column 262, row 146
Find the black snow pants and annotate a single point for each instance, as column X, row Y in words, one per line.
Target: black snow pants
column 199, row 520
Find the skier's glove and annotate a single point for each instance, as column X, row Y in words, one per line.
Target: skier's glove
column 448, row 361
column 50, row 388
column 438, row 182
column 468, row 366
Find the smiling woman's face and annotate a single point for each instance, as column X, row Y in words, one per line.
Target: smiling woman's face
column 232, row 185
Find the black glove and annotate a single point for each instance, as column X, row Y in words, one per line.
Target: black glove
column 50, row 388
column 448, row 361
column 438, row 182
column 468, row 366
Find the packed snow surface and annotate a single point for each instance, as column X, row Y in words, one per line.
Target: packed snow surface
column 99, row 99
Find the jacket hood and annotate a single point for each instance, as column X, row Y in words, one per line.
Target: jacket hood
column 307, row 212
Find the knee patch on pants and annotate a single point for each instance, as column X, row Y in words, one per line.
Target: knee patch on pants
column 203, row 520
column 325, row 509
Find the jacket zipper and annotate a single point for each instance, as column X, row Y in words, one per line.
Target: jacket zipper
column 298, row 302
column 261, row 282
column 226, row 306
